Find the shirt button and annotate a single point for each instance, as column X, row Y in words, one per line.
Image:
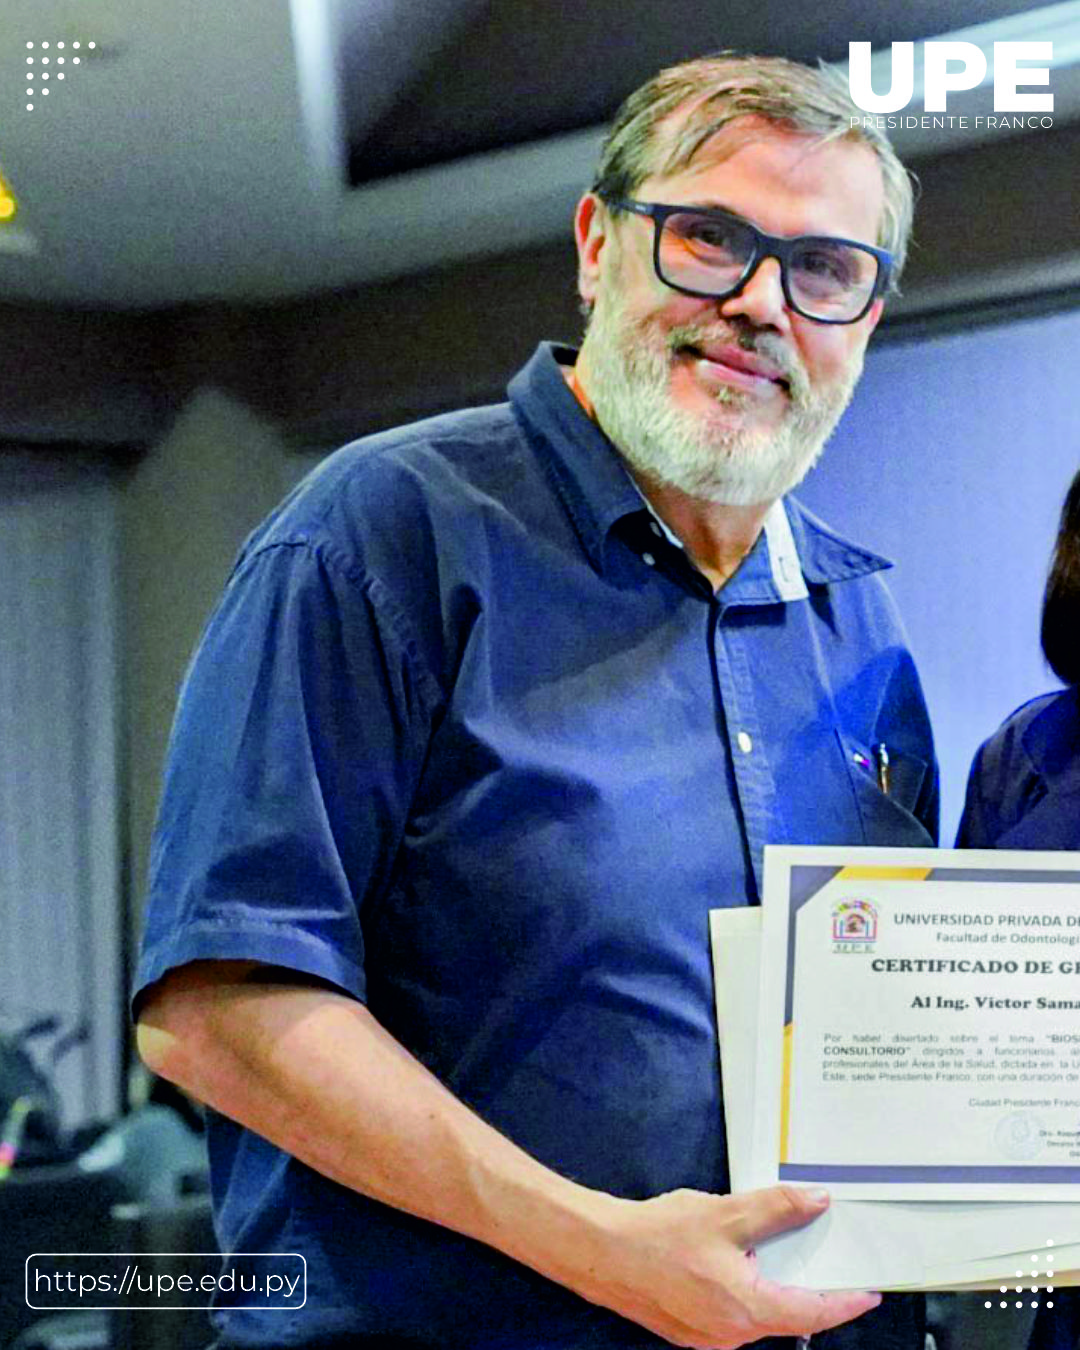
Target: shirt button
column 648, row 560
column 745, row 743
column 655, row 528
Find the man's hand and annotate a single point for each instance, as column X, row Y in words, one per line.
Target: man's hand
column 683, row 1265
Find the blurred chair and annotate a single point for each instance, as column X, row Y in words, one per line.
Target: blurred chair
column 66, row 1331
column 184, row 1226
column 150, row 1161
column 153, row 1154
column 49, row 1209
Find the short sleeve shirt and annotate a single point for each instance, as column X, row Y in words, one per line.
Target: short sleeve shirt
column 469, row 737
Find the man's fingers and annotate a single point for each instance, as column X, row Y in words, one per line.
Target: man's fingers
column 787, row 1311
column 837, row 1308
column 775, row 1210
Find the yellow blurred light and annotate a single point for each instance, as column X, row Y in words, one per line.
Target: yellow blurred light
column 8, row 204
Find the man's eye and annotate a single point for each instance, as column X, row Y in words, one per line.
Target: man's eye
column 712, row 236
column 827, row 265
column 707, row 234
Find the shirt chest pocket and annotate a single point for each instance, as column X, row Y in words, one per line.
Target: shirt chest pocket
column 888, row 789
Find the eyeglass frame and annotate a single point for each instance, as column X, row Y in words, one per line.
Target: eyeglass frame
column 765, row 246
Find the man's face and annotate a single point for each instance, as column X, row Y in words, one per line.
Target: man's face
column 732, row 400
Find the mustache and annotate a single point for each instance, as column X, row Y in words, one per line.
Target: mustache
column 768, row 345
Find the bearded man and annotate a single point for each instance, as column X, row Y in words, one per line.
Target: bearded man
column 494, row 709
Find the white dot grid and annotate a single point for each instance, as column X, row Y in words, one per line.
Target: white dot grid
column 1004, row 1289
column 60, row 46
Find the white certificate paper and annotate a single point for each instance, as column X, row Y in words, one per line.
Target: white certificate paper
column 920, row 1024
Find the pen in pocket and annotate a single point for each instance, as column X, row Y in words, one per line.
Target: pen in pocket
column 881, row 760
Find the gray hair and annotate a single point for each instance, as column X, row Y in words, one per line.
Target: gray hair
column 713, row 91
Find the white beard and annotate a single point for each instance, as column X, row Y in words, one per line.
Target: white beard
column 629, row 365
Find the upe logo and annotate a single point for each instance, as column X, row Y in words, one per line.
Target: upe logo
column 854, row 926
column 939, row 80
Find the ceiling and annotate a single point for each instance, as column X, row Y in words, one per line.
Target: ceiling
column 261, row 149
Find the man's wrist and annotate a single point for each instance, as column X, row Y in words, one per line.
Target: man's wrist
column 559, row 1228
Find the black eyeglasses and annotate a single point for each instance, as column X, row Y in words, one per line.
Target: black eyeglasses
column 714, row 253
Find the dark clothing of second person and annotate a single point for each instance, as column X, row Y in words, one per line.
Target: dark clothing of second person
column 1024, row 793
column 1024, row 788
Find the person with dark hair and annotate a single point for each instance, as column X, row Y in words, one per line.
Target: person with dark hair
column 1024, row 792
column 1061, row 606
column 493, row 710
column 1024, row 787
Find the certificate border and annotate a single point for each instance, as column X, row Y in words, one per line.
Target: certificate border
column 805, row 880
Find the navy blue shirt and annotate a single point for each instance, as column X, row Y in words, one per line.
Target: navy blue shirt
column 469, row 737
column 1023, row 792
column 1024, row 787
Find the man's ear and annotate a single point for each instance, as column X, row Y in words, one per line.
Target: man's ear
column 591, row 225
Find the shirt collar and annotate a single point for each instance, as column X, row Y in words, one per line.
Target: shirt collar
column 794, row 549
column 662, row 525
column 584, row 467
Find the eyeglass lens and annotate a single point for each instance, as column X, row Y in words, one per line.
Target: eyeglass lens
column 827, row 279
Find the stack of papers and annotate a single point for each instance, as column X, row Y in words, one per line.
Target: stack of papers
column 902, row 1028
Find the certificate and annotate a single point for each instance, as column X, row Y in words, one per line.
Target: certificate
column 872, row 1244
column 920, row 1024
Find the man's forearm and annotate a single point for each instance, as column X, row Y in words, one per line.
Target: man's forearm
column 312, row 1071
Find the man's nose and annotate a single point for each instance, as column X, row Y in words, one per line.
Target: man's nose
column 761, row 297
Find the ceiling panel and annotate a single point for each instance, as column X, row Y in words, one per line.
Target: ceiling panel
column 507, row 72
